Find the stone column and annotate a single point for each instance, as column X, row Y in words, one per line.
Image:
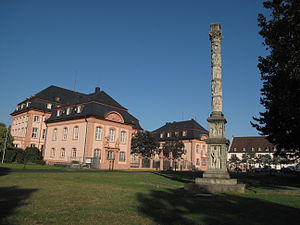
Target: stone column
column 217, row 143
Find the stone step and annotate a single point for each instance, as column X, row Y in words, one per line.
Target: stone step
column 223, row 181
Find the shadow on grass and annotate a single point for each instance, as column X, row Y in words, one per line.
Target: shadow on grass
column 4, row 171
column 266, row 181
column 179, row 207
column 181, row 176
column 10, row 199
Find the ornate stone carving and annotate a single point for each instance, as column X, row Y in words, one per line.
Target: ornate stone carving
column 114, row 116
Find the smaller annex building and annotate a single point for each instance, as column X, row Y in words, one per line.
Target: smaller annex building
column 193, row 136
column 72, row 127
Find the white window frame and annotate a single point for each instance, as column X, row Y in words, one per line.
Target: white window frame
column 184, row 133
column 97, row 153
column 52, row 153
column 123, row 137
column 112, row 134
column 34, row 132
column 122, row 157
column 62, row 153
column 65, row 133
column 74, row 153
column 68, row 111
column 54, row 136
column 75, row 133
column 98, row 133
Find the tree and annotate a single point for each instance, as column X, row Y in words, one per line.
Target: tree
column 173, row 150
column 234, row 160
column 144, row 144
column 280, row 73
column 3, row 131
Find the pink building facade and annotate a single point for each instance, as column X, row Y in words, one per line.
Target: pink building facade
column 75, row 128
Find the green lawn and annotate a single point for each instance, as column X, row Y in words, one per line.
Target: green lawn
column 44, row 195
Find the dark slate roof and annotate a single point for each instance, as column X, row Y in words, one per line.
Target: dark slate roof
column 93, row 109
column 96, row 104
column 246, row 144
column 194, row 130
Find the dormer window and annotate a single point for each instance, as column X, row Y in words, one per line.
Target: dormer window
column 57, row 99
column 58, row 112
column 244, row 149
column 49, row 106
column 79, row 109
column 68, row 111
column 27, row 104
column 17, row 108
column 22, row 106
column 161, row 135
column 184, row 133
column 169, row 134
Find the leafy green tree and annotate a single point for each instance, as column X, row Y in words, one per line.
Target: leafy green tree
column 280, row 73
column 234, row 160
column 3, row 131
column 144, row 144
column 173, row 149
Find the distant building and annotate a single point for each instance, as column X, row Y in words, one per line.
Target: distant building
column 73, row 127
column 193, row 136
column 258, row 145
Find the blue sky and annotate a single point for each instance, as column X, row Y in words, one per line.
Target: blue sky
column 152, row 56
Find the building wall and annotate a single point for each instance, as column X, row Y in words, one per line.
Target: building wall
column 86, row 144
column 22, row 129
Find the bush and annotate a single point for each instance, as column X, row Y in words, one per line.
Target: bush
column 18, row 155
column 32, row 155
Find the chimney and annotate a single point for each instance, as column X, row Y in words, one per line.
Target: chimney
column 97, row 90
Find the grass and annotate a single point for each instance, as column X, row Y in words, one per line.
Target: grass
column 62, row 197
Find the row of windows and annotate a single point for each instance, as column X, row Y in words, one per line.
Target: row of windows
column 62, row 153
column 173, row 134
column 22, row 106
column 97, row 154
column 68, row 111
column 98, row 134
column 258, row 149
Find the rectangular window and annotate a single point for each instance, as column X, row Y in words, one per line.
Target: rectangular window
column 36, row 119
column 123, row 137
column 44, row 134
column 75, row 134
column 203, row 162
column 49, row 106
column 62, row 153
column 168, row 134
column 122, row 156
column 112, row 133
column 54, row 137
column 184, row 133
column 97, row 153
column 65, row 133
column 110, row 155
column 52, row 154
column 197, row 148
column 98, row 133
column 161, row 135
column 58, row 112
column 34, row 132
column 198, row 162
column 74, row 153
